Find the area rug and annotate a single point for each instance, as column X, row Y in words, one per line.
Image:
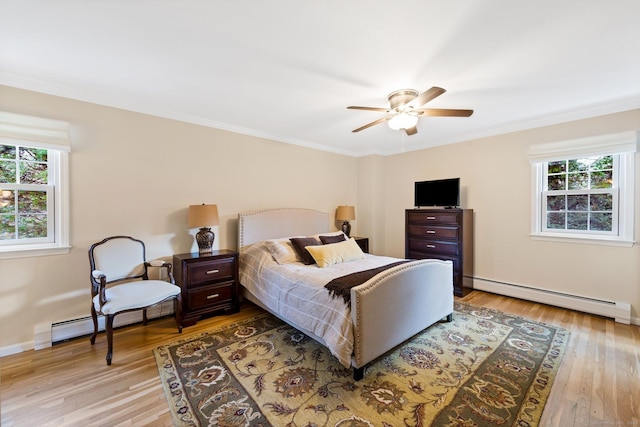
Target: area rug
column 484, row 368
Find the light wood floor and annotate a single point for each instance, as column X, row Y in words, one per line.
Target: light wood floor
column 70, row 384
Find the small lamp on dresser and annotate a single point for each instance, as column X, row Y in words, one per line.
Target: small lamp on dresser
column 346, row 214
column 205, row 217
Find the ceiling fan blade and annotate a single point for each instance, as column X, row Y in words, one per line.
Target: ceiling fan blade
column 442, row 112
column 426, row 96
column 368, row 125
column 411, row 131
column 384, row 110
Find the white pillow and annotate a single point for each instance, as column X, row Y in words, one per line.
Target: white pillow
column 282, row 251
column 335, row 253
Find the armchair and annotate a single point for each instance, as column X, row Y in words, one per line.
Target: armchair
column 120, row 283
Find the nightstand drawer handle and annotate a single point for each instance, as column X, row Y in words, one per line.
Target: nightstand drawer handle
column 213, row 296
column 431, row 232
column 431, row 246
column 213, row 271
column 431, row 217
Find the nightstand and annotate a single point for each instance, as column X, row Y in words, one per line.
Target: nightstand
column 209, row 283
column 363, row 242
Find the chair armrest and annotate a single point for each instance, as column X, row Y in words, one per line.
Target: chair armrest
column 102, row 278
column 160, row 263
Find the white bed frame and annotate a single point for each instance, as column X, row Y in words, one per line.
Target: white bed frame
column 387, row 309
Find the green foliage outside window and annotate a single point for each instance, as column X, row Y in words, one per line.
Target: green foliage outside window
column 23, row 206
column 580, row 194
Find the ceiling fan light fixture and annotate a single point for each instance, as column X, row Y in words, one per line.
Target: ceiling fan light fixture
column 403, row 121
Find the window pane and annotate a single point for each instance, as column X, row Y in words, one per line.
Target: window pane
column 7, row 152
column 555, row 220
column 7, row 227
column 556, row 182
column 33, row 154
column 602, row 221
column 8, row 171
column 577, row 221
column 557, row 167
column 32, row 202
column 7, row 201
column 30, row 226
column 555, row 203
column 579, row 181
column 601, row 202
column 604, row 162
column 602, row 179
column 578, row 165
column 577, row 202
column 33, row 173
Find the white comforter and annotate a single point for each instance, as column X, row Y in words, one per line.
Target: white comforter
column 296, row 293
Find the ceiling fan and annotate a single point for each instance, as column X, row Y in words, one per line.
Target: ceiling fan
column 404, row 111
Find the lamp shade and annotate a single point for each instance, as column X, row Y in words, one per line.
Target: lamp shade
column 203, row 215
column 403, row 121
column 346, row 213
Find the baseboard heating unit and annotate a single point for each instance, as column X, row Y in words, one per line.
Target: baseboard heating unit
column 620, row 311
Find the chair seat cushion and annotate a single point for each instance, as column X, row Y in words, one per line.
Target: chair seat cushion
column 135, row 295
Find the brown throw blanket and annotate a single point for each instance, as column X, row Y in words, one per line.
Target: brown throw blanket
column 341, row 286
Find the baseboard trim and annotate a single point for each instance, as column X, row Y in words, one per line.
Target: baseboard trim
column 75, row 328
column 48, row 334
column 618, row 310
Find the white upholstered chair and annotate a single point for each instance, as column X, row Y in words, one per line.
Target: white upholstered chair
column 120, row 283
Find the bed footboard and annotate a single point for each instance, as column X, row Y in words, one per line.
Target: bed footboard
column 397, row 304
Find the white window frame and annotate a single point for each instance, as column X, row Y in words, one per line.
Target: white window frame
column 53, row 135
column 623, row 146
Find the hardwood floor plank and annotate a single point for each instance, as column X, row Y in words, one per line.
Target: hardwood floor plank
column 71, row 385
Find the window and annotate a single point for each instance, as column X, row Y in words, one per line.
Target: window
column 33, row 186
column 583, row 190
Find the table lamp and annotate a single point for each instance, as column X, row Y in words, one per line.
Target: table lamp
column 204, row 216
column 346, row 214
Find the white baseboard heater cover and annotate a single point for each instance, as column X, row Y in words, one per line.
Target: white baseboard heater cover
column 75, row 328
column 620, row 311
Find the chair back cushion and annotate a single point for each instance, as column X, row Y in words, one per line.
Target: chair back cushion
column 119, row 258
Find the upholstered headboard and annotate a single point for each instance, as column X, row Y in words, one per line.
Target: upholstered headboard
column 275, row 223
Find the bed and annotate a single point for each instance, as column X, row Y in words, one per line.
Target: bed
column 379, row 314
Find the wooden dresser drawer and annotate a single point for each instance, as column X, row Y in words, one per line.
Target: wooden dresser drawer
column 434, row 247
column 211, row 271
column 444, row 216
column 433, row 232
column 209, row 295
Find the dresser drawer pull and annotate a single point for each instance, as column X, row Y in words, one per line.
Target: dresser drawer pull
column 431, row 246
column 213, row 296
column 213, row 271
column 431, row 217
column 431, row 232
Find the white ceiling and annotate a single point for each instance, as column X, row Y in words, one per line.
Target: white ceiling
column 287, row 69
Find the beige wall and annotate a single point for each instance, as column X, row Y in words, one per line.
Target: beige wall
column 136, row 174
column 496, row 181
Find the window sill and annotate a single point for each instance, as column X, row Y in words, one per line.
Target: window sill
column 604, row 241
column 27, row 251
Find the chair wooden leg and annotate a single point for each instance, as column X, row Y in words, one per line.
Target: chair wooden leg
column 144, row 316
column 177, row 311
column 94, row 317
column 109, row 329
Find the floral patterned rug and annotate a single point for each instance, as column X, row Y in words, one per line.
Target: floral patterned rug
column 485, row 368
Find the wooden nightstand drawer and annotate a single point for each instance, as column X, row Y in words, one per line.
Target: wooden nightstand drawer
column 208, row 296
column 209, row 283
column 211, row 271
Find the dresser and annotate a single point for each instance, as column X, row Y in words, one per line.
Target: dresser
column 209, row 283
column 443, row 234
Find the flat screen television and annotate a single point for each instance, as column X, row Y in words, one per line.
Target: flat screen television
column 439, row 192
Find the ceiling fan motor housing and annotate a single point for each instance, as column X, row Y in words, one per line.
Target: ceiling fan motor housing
column 401, row 97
